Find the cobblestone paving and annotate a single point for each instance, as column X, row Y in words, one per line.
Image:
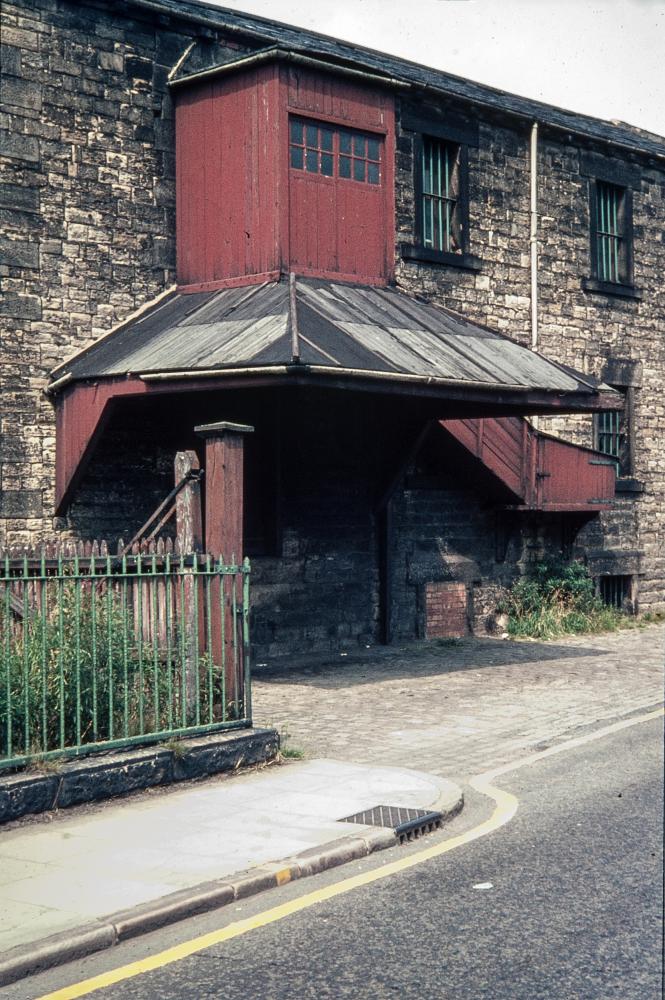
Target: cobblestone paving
column 456, row 710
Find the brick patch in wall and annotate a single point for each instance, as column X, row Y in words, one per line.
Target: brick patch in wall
column 445, row 610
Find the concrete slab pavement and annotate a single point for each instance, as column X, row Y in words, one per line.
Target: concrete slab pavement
column 93, row 876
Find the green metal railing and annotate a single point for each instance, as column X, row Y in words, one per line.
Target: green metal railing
column 100, row 652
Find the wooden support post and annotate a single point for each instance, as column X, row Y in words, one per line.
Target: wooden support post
column 189, row 531
column 224, row 503
column 189, row 539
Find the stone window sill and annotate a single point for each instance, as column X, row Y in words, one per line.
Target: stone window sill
column 611, row 288
column 628, row 486
column 465, row 261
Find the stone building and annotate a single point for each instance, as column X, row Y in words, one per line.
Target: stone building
column 366, row 516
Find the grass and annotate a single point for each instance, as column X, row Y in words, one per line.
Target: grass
column 287, row 752
column 178, row 747
column 558, row 599
column 73, row 675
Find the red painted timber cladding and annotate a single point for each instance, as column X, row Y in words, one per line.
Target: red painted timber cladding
column 340, row 227
column 545, row 473
column 81, row 415
column 569, row 476
column 242, row 212
column 501, row 444
column 229, row 166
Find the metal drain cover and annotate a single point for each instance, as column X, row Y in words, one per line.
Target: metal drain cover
column 408, row 824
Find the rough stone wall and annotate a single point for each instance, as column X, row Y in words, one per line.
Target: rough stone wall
column 446, row 535
column 87, row 201
column 586, row 330
column 591, row 330
column 321, row 592
column 498, row 295
column 87, row 215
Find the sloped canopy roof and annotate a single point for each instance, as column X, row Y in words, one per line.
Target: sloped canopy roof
column 304, row 331
column 320, row 326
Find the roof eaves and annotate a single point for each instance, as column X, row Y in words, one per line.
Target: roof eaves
column 278, row 52
column 479, row 94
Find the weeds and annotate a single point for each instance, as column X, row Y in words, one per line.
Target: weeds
column 558, row 599
column 74, row 674
column 178, row 747
column 287, row 752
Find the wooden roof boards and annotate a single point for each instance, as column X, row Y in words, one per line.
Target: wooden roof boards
column 348, row 330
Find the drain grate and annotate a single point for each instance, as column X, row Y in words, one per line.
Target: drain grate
column 408, row 824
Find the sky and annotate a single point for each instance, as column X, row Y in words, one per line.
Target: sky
column 605, row 59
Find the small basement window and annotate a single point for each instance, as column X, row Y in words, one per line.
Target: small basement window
column 614, row 591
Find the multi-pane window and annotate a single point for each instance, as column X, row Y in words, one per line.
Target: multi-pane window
column 611, row 237
column 335, row 152
column 440, row 196
column 359, row 156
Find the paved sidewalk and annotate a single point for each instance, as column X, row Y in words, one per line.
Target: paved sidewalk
column 458, row 709
column 83, row 866
column 450, row 709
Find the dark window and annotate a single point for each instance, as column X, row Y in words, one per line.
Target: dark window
column 611, row 237
column 441, row 203
column 614, row 591
column 611, row 438
column 440, row 198
column 330, row 151
column 311, row 148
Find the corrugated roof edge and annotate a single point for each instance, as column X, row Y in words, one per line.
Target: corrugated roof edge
column 595, row 384
column 61, row 376
column 263, row 29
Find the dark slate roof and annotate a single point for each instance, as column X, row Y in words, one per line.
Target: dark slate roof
column 343, row 328
column 260, row 31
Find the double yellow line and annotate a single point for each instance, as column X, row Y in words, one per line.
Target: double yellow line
column 505, row 808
